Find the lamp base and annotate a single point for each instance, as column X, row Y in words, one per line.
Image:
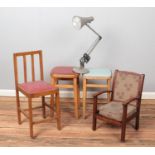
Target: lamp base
column 80, row 70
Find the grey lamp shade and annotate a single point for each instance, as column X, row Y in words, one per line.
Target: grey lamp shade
column 79, row 22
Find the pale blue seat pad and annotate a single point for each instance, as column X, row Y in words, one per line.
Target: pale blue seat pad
column 98, row 72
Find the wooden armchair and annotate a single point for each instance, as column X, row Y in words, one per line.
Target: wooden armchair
column 125, row 101
column 34, row 88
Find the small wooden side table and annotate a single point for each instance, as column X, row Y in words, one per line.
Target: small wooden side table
column 95, row 74
column 65, row 73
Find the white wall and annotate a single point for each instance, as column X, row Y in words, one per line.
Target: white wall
column 128, row 39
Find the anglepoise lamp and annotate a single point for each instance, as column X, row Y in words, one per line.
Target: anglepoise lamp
column 78, row 23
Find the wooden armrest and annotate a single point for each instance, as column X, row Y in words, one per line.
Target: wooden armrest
column 130, row 100
column 101, row 92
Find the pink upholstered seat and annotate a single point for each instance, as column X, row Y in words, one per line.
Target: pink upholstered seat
column 65, row 70
column 36, row 87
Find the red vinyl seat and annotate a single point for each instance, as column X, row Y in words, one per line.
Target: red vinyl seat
column 36, row 87
column 65, row 70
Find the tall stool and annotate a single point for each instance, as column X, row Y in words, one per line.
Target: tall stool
column 66, row 73
column 95, row 74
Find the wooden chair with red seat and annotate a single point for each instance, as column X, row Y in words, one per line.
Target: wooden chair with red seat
column 33, row 89
column 125, row 101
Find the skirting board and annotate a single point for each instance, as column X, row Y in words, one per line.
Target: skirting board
column 7, row 92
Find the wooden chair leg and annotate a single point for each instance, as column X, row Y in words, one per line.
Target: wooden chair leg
column 84, row 97
column 108, row 88
column 18, row 107
column 43, row 107
column 78, row 93
column 30, row 117
column 137, row 121
column 123, row 123
column 52, row 105
column 76, row 104
column 58, row 115
column 53, row 82
column 94, row 114
column 94, row 122
column 123, row 131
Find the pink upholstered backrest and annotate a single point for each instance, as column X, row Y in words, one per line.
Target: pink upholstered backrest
column 127, row 85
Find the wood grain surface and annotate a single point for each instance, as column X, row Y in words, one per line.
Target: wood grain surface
column 74, row 132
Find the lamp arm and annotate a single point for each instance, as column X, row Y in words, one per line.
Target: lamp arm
column 85, row 58
column 94, row 31
column 95, row 42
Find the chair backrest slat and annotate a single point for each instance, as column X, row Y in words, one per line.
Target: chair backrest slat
column 25, row 68
column 24, row 55
column 32, row 67
column 41, row 66
column 15, row 70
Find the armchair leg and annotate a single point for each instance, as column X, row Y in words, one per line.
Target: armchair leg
column 123, row 124
column 94, row 113
column 137, row 122
column 94, row 123
column 123, row 132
